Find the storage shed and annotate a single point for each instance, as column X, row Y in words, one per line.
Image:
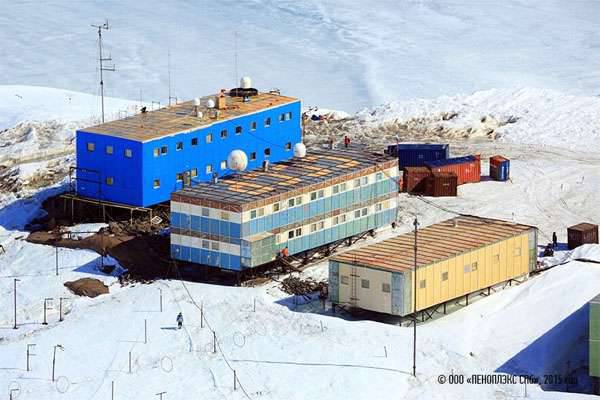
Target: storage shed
column 243, row 221
column 441, row 184
column 581, row 234
column 467, row 169
column 455, row 258
column 417, row 154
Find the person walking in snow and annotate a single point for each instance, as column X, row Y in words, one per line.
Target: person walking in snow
column 179, row 321
column 554, row 239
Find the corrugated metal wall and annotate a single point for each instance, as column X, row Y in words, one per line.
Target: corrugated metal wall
column 595, row 337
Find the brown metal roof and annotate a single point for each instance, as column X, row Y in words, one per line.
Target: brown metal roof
column 317, row 167
column 182, row 117
column 435, row 243
column 584, row 226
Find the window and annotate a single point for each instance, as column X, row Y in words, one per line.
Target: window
column 364, row 180
column 224, row 164
column 238, row 130
column 291, row 202
column 288, row 115
column 313, row 196
column 288, row 146
column 109, row 150
column 208, row 138
column 156, row 184
column 128, row 153
column 223, row 133
column 214, row 245
column 343, row 187
column 445, row 276
column 261, row 211
column 298, row 231
column 423, row 284
column 467, row 268
column 379, row 176
column 253, row 156
column 253, row 126
column 321, row 225
column 357, row 214
column 205, row 212
column 339, row 219
column 364, row 283
column 345, row 280
column 517, row 251
column 267, row 151
column 364, row 211
column 194, row 172
column 336, row 220
column 267, row 122
column 205, row 244
column 208, row 168
column 474, row 266
column 378, row 207
column 291, row 234
column 195, row 141
column 276, row 207
column 156, row 152
column 253, row 214
column 163, row 150
column 298, row 200
column 179, row 177
column 357, row 183
column 336, row 189
column 179, row 146
column 313, row 227
column 109, row 180
column 91, row 146
column 281, row 117
column 224, row 215
column 385, row 287
column 342, row 218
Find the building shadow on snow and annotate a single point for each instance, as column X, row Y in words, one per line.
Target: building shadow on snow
column 559, row 358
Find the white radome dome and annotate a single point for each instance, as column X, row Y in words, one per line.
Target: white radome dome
column 246, row 82
column 237, row 160
column 299, row 150
column 197, row 101
column 210, row 103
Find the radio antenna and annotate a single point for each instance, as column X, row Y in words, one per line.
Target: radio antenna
column 101, row 60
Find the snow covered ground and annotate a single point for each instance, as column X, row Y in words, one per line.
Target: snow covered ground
column 331, row 53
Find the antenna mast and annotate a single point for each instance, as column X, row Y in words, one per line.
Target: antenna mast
column 101, row 59
column 235, row 39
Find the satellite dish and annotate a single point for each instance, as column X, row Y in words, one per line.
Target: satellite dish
column 197, row 101
column 210, row 103
column 237, row 160
column 299, row 150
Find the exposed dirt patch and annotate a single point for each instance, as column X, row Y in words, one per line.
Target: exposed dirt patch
column 88, row 287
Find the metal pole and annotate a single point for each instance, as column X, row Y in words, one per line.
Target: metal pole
column 15, row 294
column 160, row 394
column 201, row 316
column 161, row 308
column 129, row 362
column 56, row 261
column 234, row 380
column 54, row 359
column 60, row 314
column 45, row 308
column 214, row 342
column 29, row 355
column 112, row 390
column 416, row 225
column 145, row 331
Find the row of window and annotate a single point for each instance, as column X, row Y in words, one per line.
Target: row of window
column 108, row 149
column 365, row 284
column 339, row 219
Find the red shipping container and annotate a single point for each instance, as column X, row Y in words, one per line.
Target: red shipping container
column 467, row 169
column 441, row 184
column 414, row 180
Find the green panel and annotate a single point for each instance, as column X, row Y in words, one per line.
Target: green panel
column 595, row 339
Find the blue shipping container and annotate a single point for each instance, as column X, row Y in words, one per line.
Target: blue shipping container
column 417, row 154
column 499, row 168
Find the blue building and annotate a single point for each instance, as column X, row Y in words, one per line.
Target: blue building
column 243, row 221
column 142, row 159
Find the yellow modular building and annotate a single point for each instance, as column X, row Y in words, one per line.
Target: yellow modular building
column 455, row 258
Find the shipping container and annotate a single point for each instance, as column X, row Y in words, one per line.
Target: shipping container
column 245, row 220
column 499, row 168
column 455, row 258
column 581, row 234
column 416, row 154
column 441, row 184
column 415, row 179
column 467, row 169
column 594, row 368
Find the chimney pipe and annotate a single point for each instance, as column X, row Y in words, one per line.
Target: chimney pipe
column 265, row 165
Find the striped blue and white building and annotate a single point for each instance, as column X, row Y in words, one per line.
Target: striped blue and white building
column 243, row 221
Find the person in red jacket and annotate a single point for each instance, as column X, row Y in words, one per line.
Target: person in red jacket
column 346, row 141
